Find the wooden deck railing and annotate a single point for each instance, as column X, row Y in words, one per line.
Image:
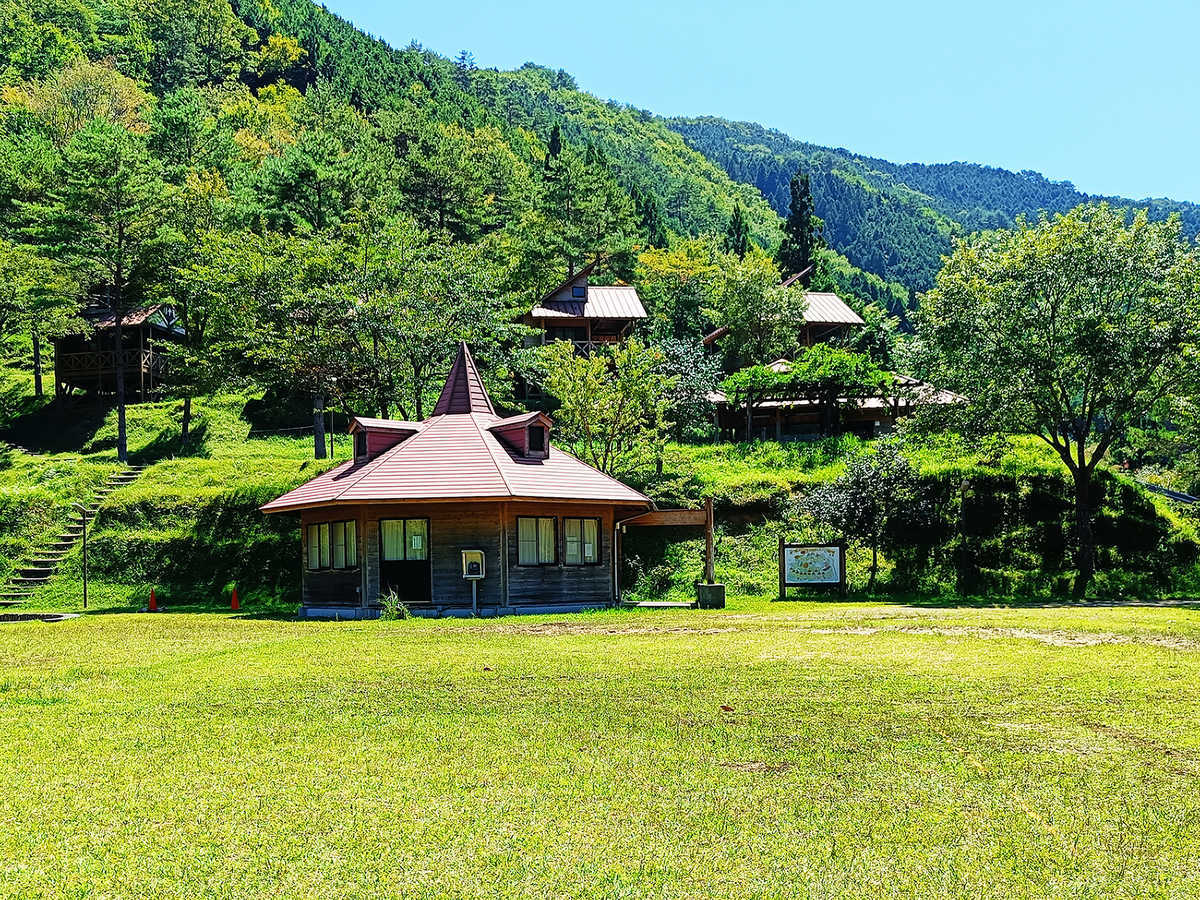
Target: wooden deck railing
column 92, row 362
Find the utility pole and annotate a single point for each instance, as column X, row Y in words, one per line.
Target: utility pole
column 82, row 510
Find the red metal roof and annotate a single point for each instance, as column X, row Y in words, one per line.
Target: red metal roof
column 456, row 456
column 463, row 391
column 362, row 423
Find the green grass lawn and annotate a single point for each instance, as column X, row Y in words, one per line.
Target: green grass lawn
column 865, row 750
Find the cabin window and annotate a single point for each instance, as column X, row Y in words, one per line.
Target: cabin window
column 360, row 445
column 581, row 542
column 537, row 541
column 537, row 439
column 579, row 291
column 333, row 545
column 404, row 539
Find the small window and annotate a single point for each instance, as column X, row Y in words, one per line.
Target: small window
column 579, row 291
column 537, row 541
column 332, row 545
column 537, row 439
column 360, row 445
column 581, row 542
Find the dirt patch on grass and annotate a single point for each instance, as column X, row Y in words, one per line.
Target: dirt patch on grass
column 571, row 628
column 755, row 766
column 1056, row 638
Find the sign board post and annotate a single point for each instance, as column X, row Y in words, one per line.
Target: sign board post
column 474, row 569
column 811, row 565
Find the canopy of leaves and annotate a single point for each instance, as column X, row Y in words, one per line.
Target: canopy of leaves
column 816, row 369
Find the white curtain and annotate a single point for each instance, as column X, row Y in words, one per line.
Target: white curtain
column 392, row 533
column 351, row 544
column 546, row 541
column 527, row 554
column 571, row 540
column 591, row 542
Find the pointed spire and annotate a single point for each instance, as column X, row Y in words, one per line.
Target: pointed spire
column 464, row 391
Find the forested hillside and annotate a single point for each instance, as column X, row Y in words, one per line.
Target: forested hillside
column 329, row 214
column 890, row 219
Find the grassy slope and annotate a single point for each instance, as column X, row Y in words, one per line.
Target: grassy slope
column 868, row 751
column 190, row 528
column 189, row 525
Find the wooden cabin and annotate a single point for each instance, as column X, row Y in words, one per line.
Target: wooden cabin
column 803, row 417
column 467, row 510
column 88, row 362
column 588, row 315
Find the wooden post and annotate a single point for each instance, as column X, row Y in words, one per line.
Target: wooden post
column 709, row 573
column 782, row 582
column 778, row 424
column 141, row 365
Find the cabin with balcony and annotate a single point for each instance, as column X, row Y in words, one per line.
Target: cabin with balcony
column 87, row 363
column 588, row 315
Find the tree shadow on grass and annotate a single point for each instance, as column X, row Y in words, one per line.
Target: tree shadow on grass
column 954, row 601
column 168, row 443
column 61, row 426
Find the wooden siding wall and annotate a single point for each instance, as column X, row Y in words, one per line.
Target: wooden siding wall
column 378, row 441
column 330, row 587
column 559, row 583
column 566, row 293
column 453, row 527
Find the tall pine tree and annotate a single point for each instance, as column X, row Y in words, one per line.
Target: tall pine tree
column 801, row 231
column 737, row 235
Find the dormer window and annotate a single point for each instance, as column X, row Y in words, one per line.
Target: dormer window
column 579, row 291
column 527, row 434
column 375, row 436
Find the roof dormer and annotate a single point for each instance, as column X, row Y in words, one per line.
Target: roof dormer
column 374, row 436
column 527, row 434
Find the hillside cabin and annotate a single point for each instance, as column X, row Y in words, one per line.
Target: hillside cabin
column 88, row 362
column 803, row 417
column 588, row 315
column 465, row 511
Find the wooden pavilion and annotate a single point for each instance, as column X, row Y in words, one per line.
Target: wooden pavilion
column 88, row 362
column 467, row 510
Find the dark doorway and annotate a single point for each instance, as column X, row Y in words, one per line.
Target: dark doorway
column 404, row 559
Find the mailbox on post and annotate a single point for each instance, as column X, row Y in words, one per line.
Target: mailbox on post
column 474, row 567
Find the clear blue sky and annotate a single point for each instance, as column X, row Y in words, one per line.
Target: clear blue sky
column 1098, row 92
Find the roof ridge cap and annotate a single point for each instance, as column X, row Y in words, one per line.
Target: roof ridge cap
column 492, row 452
column 373, row 464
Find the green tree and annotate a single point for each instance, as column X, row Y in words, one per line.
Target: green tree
column 764, row 319
column 105, row 218
column 1071, row 329
column 613, row 406
column 876, row 502
column 737, row 235
column 38, row 298
column 801, row 231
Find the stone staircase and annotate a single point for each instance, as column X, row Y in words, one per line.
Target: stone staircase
column 43, row 563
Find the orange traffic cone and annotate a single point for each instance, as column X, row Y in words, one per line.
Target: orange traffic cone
column 234, row 602
column 153, row 601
